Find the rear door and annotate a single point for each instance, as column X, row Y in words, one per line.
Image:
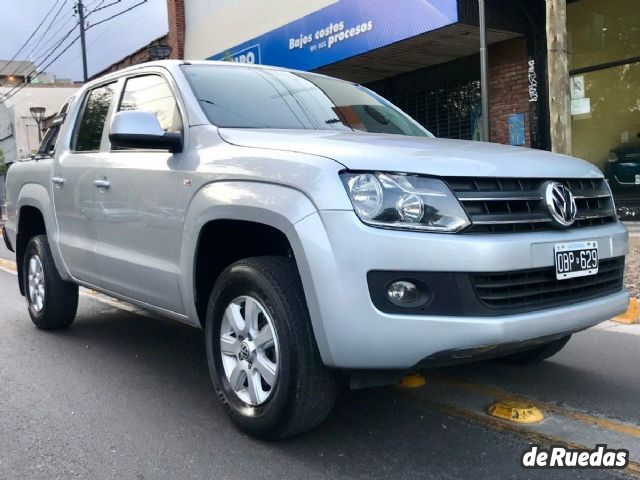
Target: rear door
column 139, row 229
column 73, row 181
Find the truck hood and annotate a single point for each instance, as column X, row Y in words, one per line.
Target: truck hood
column 431, row 156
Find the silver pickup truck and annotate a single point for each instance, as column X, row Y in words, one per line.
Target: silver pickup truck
column 318, row 235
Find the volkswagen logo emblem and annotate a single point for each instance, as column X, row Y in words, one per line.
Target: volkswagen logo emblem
column 244, row 352
column 560, row 203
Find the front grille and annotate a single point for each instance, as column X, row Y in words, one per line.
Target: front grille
column 505, row 205
column 538, row 288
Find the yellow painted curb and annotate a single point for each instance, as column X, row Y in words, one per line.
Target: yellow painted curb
column 8, row 264
column 632, row 315
column 413, row 380
column 517, row 412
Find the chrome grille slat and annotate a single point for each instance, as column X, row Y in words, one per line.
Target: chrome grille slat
column 505, row 205
column 497, row 196
column 506, row 219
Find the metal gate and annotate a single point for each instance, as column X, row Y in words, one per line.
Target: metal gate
column 448, row 112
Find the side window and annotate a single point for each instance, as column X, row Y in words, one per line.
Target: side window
column 151, row 93
column 96, row 108
column 50, row 140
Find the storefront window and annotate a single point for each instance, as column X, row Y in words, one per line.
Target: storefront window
column 602, row 31
column 613, row 116
column 604, row 43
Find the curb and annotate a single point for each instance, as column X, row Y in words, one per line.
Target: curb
column 632, row 315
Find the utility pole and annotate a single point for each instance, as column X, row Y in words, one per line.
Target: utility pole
column 80, row 9
column 484, row 72
column 558, row 71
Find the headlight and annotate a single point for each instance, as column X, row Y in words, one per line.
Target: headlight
column 404, row 201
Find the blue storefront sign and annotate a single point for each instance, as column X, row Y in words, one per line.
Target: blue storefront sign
column 342, row 30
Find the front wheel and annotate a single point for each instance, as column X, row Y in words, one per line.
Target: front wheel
column 535, row 354
column 52, row 302
column 262, row 355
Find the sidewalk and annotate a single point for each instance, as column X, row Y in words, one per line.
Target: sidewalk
column 632, row 266
column 633, row 227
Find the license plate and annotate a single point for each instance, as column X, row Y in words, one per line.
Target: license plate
column 637, row 179
column 577, row 259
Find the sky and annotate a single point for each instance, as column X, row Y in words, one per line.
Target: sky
column 106, row 43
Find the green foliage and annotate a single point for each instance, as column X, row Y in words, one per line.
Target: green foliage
column 3, row 167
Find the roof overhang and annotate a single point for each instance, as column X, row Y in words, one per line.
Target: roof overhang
column 431, row 48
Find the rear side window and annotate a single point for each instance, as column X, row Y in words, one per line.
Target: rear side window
column 50, row 140
column 89, row 135
column 151, row 93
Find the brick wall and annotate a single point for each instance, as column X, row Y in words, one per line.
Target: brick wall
column 508, row 88
column 175, row 14
column 139, row 56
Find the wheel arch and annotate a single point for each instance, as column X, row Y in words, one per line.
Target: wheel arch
column 35, row 216
column 268, row 211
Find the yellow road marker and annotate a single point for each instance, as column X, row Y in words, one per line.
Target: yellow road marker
column 413, row 380
column 633, row 469
column 632, row 315
column 517, row 412
column 501, row 394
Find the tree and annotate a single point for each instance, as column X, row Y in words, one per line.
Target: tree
column 3, row 166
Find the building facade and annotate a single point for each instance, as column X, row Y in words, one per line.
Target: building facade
column 563, row 75
column 15, row 72
column 19, row 137
column 604, row 63
column 422, row 55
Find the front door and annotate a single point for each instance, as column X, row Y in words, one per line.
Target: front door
column 139, row 227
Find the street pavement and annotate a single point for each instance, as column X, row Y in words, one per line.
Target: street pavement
column 125, row 395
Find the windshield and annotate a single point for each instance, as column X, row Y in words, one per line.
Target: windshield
column 244, row 97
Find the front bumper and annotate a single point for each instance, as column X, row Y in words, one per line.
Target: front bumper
column 335, row 251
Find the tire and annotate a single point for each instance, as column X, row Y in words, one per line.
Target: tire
column 51, row 301
column 303, row 389
column 535, row 354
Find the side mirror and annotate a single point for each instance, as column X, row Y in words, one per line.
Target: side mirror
column 138, row 129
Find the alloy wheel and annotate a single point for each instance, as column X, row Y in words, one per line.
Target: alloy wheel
column 36, row 283
column 249, row 349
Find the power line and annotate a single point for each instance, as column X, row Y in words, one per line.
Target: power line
column 9, row 94
column 117, row 14
column 60, row 25
column 93, row 2
column 98, row 8
column 100, row 36
column 46, row 30
column 47, row 54
column 44, row 53
column 80, row 9
column 30, row 37
column 41, row 60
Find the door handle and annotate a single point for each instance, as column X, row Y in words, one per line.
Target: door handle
column 58, row 180
column 102, row 183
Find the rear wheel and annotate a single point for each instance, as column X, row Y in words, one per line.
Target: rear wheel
column 535, row 354
column 52, row 302
column 261, row 351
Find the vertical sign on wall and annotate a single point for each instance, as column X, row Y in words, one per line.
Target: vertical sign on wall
column 516, row 129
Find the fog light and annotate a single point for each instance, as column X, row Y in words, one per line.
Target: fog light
column 403, row 293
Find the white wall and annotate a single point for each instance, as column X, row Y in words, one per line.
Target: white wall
column 24, row 126
column 211, row 26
